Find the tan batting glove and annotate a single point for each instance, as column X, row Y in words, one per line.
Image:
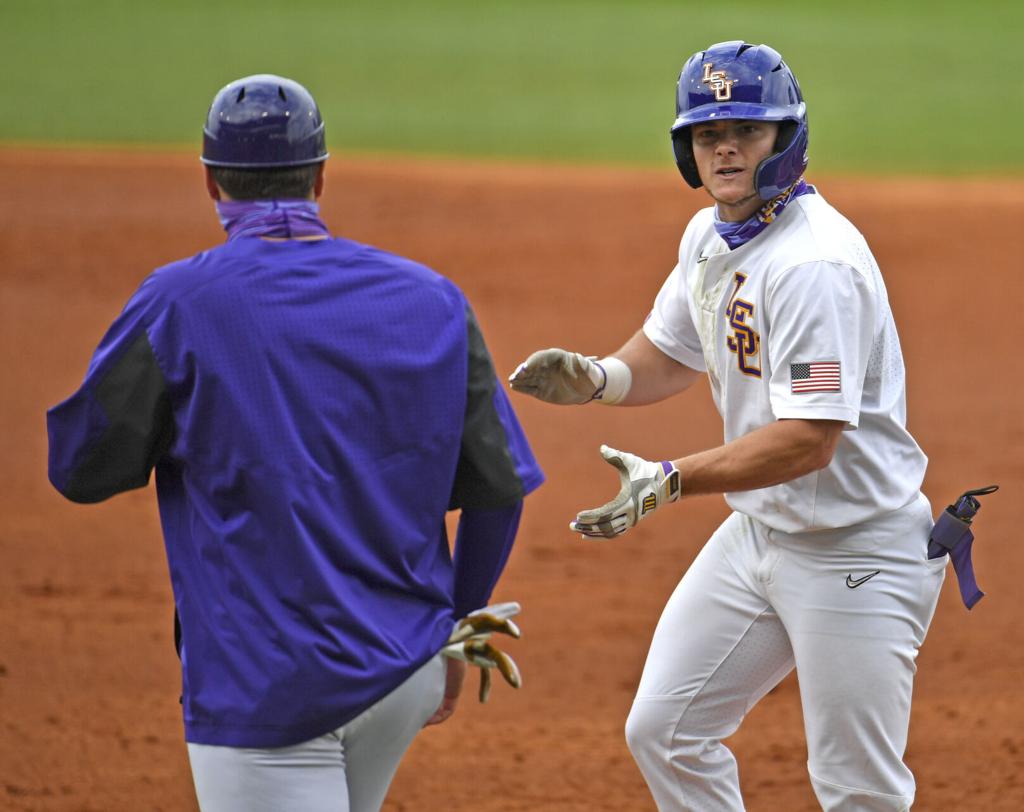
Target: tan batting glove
column 559, row 376
column 645, row 487
column 470, row 641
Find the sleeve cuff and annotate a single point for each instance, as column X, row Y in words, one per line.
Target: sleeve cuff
column 844, row 413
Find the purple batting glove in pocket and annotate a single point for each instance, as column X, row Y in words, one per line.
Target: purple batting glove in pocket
column 952, row 534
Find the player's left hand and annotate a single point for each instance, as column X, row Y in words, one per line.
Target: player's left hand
column 645, row 486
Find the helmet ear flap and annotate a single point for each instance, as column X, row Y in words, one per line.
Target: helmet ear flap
column 787, row 130
column 780, row 170
column 682, row 146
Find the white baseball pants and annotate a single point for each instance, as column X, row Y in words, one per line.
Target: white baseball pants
column 346, row 770
column 848, row 608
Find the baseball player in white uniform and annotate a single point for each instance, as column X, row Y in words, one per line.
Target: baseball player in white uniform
column 822, row 564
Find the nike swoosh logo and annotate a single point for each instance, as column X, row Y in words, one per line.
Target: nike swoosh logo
column 853, row 584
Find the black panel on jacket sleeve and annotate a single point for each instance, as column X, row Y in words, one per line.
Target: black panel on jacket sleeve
column 486, row 476
column 133, row 395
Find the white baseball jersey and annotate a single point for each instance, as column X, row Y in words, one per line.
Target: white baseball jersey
column 796, row 324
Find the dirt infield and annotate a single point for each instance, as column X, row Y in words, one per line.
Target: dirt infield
column 88, row 677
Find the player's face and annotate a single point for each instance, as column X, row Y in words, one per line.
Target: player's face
column 727, row 154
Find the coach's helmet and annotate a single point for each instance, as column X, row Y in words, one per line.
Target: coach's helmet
column 737, row 80
column 263, row 121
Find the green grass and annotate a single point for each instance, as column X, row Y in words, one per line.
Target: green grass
column 911, row 87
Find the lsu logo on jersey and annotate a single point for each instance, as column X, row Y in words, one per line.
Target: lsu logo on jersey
column 743, row 339
column 718, row 82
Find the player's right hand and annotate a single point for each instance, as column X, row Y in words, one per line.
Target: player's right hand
column 645, row 486
column 559, row 376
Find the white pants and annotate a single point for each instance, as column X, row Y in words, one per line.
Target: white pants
column 754, row 604
column 346, row 770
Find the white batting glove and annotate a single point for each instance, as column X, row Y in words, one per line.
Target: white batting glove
column 484, row 622
column 559, row 376
column 470, row 641
column 645, row 487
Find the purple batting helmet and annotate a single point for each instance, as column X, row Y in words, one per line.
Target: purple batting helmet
column 737, row 80
column 263, row 121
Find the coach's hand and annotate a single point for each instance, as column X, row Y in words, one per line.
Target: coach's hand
column 559, row 376
column 645, row 486
column 470, row 641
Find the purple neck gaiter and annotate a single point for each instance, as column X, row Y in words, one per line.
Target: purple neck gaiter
column 737, row 234
column 290, row 219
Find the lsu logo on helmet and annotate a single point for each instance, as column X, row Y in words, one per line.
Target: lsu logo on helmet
column 718, row 82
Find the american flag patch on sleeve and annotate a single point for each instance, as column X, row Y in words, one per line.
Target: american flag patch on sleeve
column 816, row 376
